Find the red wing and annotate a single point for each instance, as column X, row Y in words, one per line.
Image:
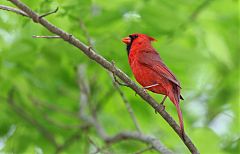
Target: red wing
column 153, row 61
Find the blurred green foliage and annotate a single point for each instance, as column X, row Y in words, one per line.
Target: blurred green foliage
column 198, row 40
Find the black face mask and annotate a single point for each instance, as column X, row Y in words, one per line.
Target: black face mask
column 132, row 37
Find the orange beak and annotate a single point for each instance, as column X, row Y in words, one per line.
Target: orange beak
column 126, row 40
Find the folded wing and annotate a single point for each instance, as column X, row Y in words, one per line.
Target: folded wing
column 154, row 62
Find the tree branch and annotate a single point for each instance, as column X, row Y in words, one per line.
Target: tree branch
column 11, row 9
column 107, row 65
column 156, row 144
column 92, row 119
column 128, row 106
column 48, row 37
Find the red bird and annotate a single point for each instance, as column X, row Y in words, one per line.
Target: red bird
column 150, row 71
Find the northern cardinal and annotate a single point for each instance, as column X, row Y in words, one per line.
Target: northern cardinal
column 150, row 71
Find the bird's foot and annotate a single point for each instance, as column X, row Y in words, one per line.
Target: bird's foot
column 183, row 136
column 163, row 106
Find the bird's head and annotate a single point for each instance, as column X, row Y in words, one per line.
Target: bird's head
column 137, row 40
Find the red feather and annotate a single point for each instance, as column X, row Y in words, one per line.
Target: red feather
column 149, row 69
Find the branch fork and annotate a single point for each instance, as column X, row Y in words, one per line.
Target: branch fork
column 36, row 19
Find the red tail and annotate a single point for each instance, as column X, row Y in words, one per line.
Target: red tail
column 180, row 119
column 175, row 97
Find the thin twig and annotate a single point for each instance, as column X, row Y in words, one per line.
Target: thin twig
column 49, row 13
column 48, row 37
column 108, row 65
column 128, row 106
column 120, row 83
column 11, row 9
column 115, row 78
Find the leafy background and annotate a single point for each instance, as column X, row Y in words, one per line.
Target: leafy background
column 198, row 40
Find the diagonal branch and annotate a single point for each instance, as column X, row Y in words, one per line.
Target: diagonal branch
column 93, row 120
column 107, row 65
column 128, row 106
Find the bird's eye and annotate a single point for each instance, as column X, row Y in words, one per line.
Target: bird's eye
column 133, row 36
